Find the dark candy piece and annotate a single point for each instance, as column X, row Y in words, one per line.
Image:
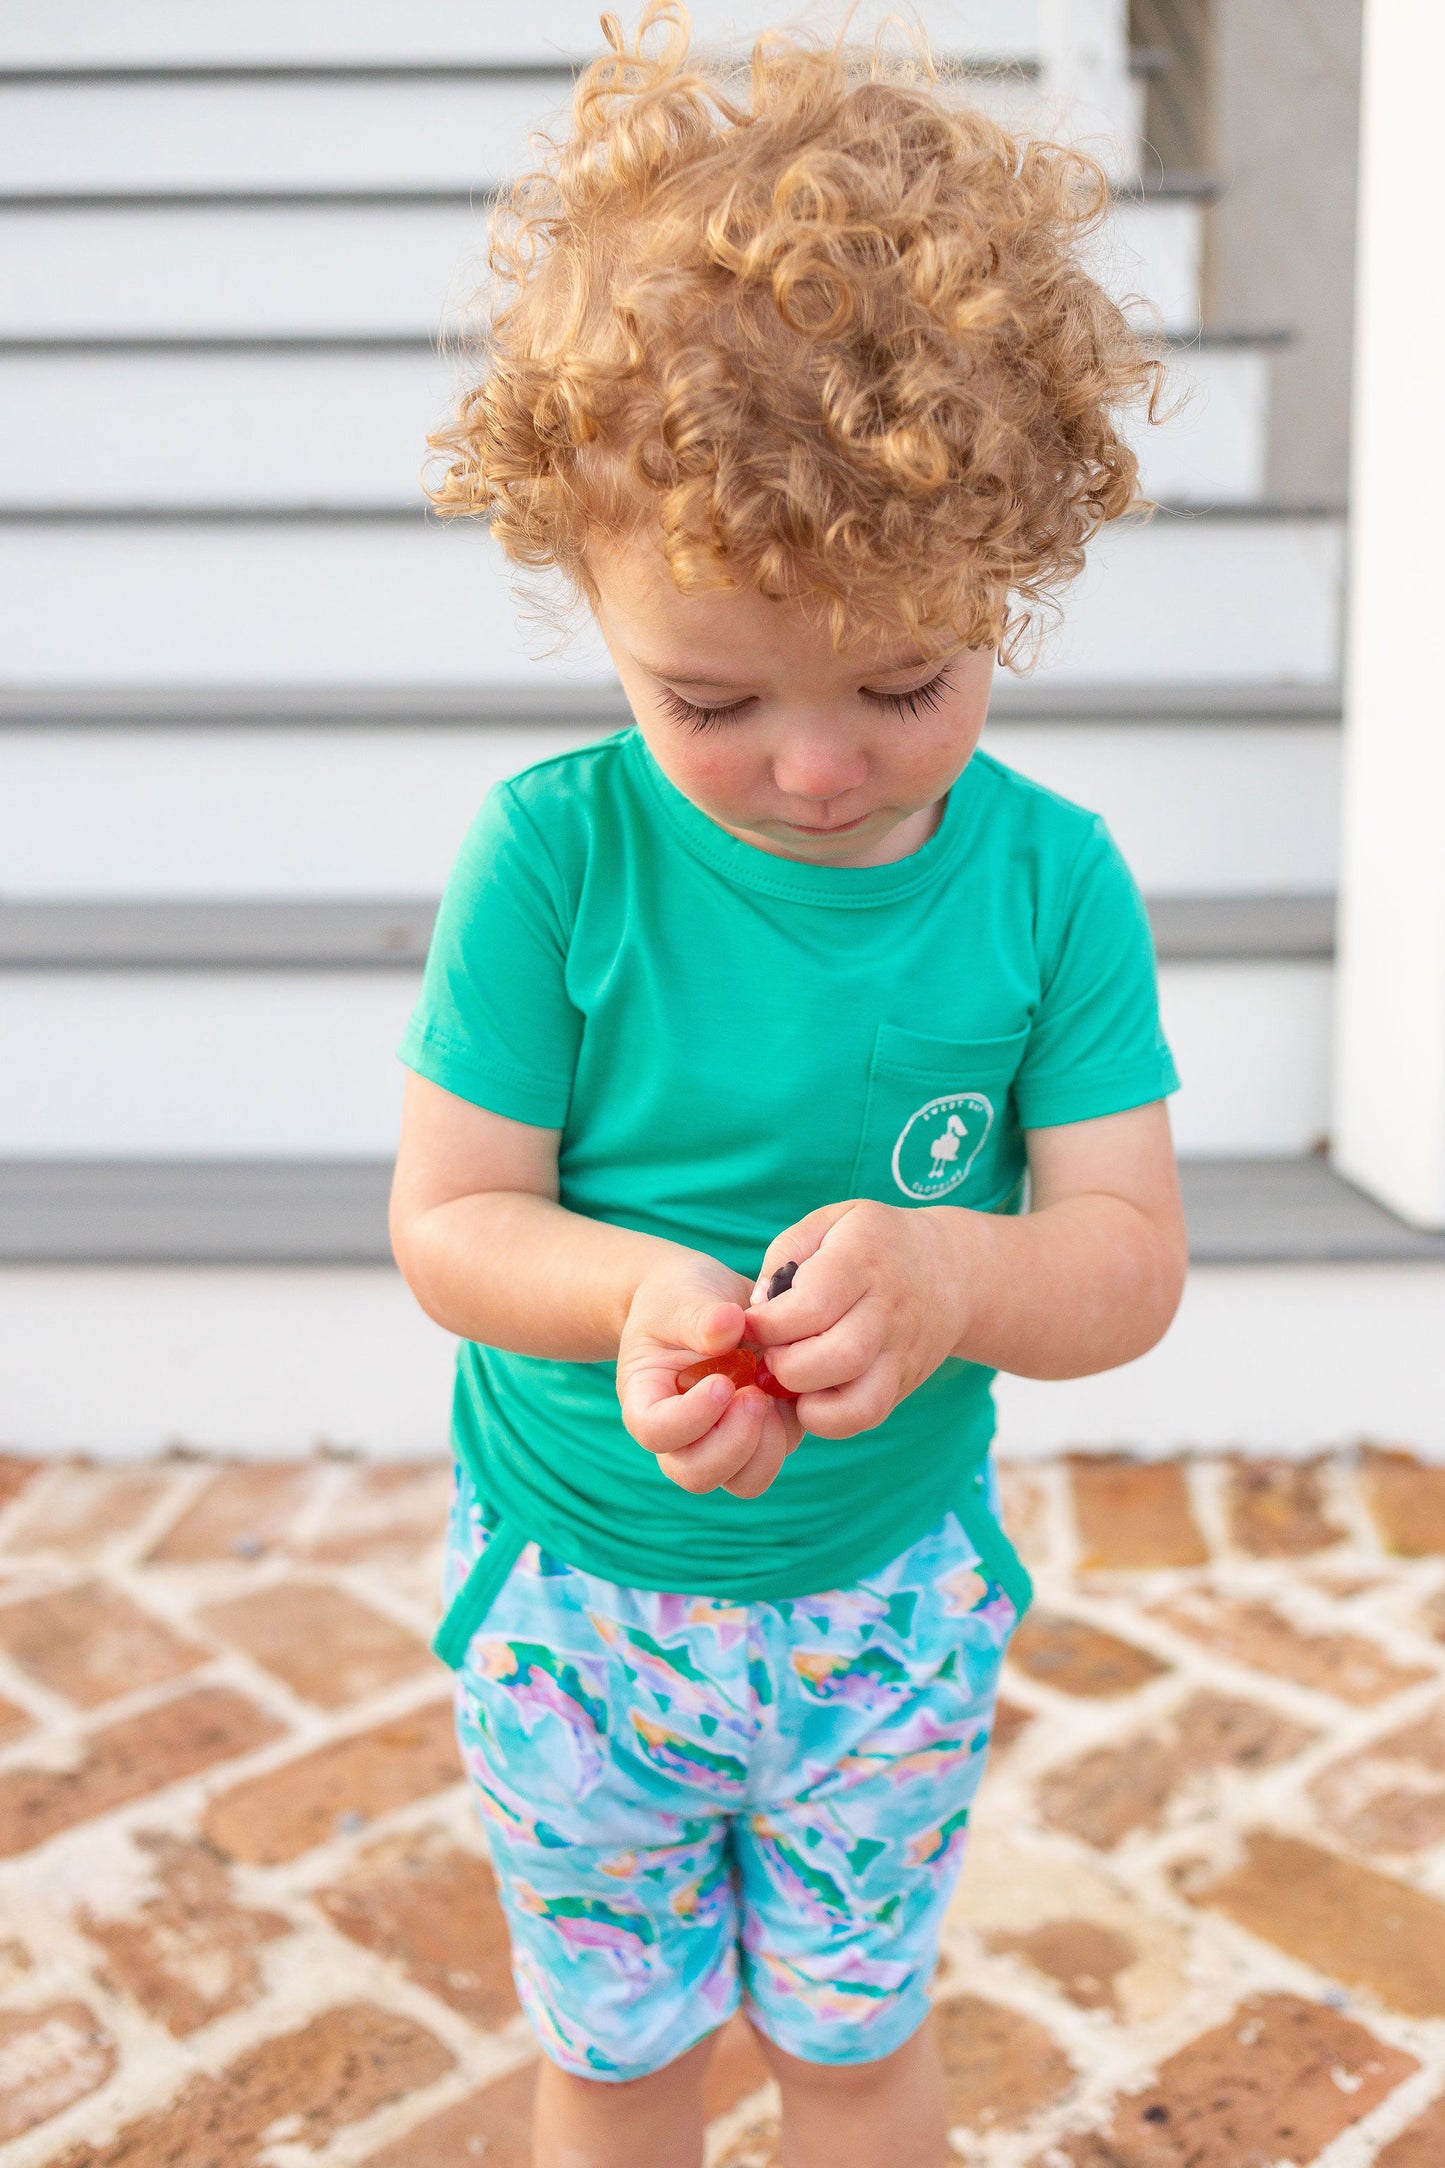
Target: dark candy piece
column 740, row 1364
column 743, row 1364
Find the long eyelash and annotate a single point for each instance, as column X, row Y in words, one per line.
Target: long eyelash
column 695, row 718
column 922, row 698
column 919, row 700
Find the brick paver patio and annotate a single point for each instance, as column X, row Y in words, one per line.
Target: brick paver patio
column 246, row 1919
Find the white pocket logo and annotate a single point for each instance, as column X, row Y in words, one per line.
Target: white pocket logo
column 939, row 1144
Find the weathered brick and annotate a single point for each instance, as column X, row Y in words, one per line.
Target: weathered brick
column 13, row 1720
column 328, row 1646
column 1422, row 2145
column 419, row 1899
column 759, row 2146
column 494, row 2126
column 1389, row 1797
column 1361, row 1927
column 999, row 2066
column 187, row 1953
column 48, row 2059
column 84, row 1508
column 387, row 1510
column 1010, row 1719
column 92, row 1642
column 15, row 1962
column 1277, row 2081
column 1407, row 1500
column 1078, row 1658
column 1133, row 1514
column 300, row 2088
column 1082, row 1957
column 1345, row 1665
column 15, row 1472
column 1277, row 1509
column 243, row 1512
column 1341, row 1583
column 1024, row 1505
column 276, row 1816
column 127, row 1759
column 1110, row 1791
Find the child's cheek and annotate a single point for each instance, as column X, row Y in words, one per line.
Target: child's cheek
column 715, row 774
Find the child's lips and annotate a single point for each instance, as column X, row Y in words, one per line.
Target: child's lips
column 827, row 828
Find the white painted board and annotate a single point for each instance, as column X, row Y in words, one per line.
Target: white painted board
column 268, row 1362
column 302, row 1063
column 237, row 269
column 1235, row 601
column 258, row 133
column 236, row 812
column 160, row 33
column 348, row 427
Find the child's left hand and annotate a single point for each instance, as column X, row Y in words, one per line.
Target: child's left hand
column 879, row 1301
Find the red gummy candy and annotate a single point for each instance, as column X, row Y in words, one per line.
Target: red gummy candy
column 766, row 1382
column 740, row 1364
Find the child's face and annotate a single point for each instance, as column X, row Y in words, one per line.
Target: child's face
column 818, row 756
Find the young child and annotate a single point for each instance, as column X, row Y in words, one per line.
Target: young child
column 800, row 381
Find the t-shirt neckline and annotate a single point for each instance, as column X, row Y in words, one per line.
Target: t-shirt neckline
column 848, row 886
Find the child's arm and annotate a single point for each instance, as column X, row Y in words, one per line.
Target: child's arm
column 1089, row 1277
column 491, row 1255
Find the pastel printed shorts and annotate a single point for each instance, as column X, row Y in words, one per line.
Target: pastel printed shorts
column 691, row 1801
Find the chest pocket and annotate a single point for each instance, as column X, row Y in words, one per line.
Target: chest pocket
column 937, row 1120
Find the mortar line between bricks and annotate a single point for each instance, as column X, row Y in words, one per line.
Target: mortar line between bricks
column 193, row 1793
column 1279, row 1971
column 372, row 1590
column 309, row 1723
column 185, row 1487
column 725, row 2130
column 1315, row 1611
column 289, row 2003
column 79, row 1723
column 1170, row 1643
column 1192, row 1665
column 29, row 1504
column 1344, row 1490
column 1206, row 1488
column 1360, row 2144
column 1059, row 1520
column 48, row 1709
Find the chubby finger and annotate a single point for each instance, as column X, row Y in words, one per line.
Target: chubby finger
column 757, row 1473
column 843, row 1411
column 827, row 1359
column 662, row 1419
column 724, row 1450
column 827, row 1287
column 796, row 1244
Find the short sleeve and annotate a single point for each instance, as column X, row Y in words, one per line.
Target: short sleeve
column 1096, row 1046
column 493, row 1023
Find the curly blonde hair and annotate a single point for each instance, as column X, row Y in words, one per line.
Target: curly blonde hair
column 822, row 323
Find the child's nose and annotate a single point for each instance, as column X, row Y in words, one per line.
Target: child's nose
column 818, row 766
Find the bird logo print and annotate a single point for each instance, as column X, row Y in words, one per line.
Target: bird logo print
column 939, row 1143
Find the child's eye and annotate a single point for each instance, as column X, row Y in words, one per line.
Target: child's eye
column 696, row 718
column 920, row 699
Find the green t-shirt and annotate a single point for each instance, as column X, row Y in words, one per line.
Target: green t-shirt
column 727, row 1040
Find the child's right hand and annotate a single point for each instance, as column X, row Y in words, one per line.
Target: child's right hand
column 712, row 1436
